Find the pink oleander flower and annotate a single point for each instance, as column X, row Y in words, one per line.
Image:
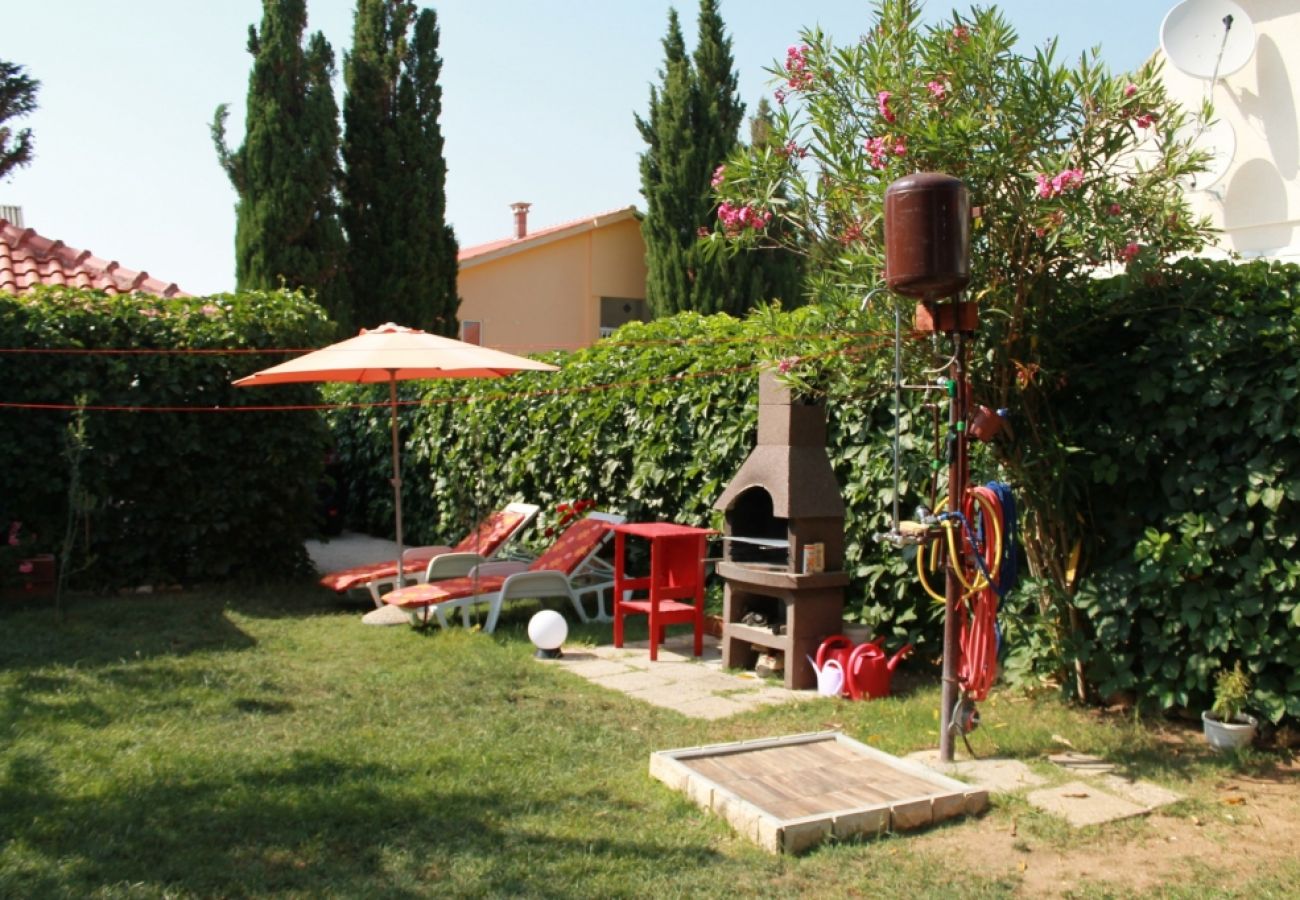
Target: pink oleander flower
column 937, row 89
column 882, row 103
column 1131, row 250
column 875, row 147
column 796, row 63
column 1130, row 90
column 702, row 232
column 961, row 32
column 786, row 364
column 736, row 219
column 1115, row 209
column 792, row 149
column 1145, row 120
column 719, row 176
column 25, row 567
column 780, row 97
column 1068, row 180
column 900, row 146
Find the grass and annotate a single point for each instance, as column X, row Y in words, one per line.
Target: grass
column 260, row 741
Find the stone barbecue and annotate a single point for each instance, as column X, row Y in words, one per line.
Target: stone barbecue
column 783, row 540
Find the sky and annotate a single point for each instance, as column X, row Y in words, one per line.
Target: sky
column 538, row 105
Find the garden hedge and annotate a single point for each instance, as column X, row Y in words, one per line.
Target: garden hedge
column 1182, row 394
column 172, row 484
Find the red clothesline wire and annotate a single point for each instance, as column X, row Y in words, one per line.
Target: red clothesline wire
column 548, row 392
column 234, row 351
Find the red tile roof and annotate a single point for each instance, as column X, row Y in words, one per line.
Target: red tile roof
column 28, row 260
column 544, row 235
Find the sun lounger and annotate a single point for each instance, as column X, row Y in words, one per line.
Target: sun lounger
column 437, row 561
column 568, row 568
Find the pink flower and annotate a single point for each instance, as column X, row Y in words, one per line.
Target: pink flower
column 1145, row 120
column 14, row 528
column 792, row 149
column 702, row 232
column 1130, row 251
column 25, row 567
column 1115, row 209
column 875, row 146
column 1067, row 180
column 961, row 32
column 796, row 64
column 719, row 176
column 882, row 103
column 900, row 147
column 736, row 219
column 787, row 363
column 1130, row 90
column 780, row 96
column 937, row 90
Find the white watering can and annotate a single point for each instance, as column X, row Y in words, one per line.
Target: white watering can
column 830, row 677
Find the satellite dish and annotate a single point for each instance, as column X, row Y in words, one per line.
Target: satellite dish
column 1217, row 139
column 1207, row 38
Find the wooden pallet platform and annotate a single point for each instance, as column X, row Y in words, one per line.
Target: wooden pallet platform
column 790, row 793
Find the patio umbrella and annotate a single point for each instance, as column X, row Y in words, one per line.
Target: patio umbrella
column 392, row 353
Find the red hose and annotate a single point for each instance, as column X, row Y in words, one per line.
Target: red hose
column 977, row 667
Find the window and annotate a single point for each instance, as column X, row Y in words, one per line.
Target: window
column 616, row 311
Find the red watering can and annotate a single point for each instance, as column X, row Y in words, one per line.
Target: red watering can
column 869, row 671
column 838, row 648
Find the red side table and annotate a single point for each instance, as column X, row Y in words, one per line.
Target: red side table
column 673, row 592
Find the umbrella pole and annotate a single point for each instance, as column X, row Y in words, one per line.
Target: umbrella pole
column 397, row 474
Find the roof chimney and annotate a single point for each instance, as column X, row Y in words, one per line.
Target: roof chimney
column 521, row 219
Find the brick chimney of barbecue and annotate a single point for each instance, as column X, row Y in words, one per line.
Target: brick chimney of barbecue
column 521, row 219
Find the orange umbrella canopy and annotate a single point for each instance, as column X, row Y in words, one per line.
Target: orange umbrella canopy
column 393, row 353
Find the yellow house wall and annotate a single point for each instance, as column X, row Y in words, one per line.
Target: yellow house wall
column 547, row 297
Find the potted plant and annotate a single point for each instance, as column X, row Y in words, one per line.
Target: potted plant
column 1226, row 725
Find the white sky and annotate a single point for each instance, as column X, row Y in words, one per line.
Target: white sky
column 538, row 104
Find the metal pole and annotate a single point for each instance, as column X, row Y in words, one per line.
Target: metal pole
column 957, row 477
column 397, row 473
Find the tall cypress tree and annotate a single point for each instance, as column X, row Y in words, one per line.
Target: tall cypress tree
column 693, row 126
column 285, row 173
column 17, row 98
column 402, row 252
column 669, row 179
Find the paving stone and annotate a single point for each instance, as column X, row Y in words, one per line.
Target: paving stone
column 636, row 680
column 1082, row 763
column 1143, row 793
column 594, row 667
column 1083, row 804
column 996, row 775
column 711, row 707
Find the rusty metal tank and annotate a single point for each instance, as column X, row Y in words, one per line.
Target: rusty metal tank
column 927, row 236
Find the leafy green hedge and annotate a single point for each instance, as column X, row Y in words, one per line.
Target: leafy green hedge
column 653, row 424
column 1184, row 397
column 165, row 497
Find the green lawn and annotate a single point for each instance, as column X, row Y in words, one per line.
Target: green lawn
column 263, row 742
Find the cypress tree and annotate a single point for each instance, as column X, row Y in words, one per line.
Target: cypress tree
column 669, row 179
column 402, row 252
column 285, row 173
column 693, row 126
column 17, row 99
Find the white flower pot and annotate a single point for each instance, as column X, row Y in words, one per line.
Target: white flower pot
column 1229, row 735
